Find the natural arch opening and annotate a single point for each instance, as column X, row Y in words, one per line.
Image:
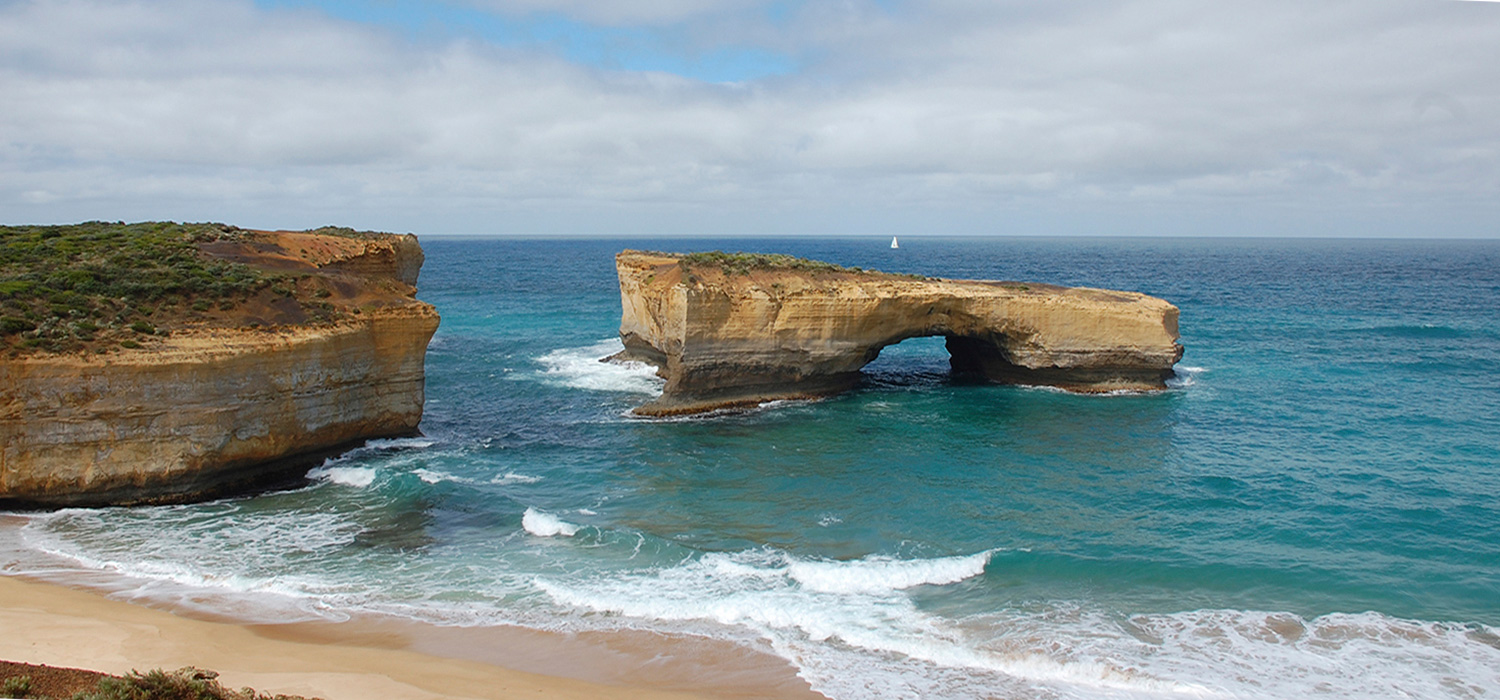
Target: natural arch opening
column 920, row 360
column 937, row 357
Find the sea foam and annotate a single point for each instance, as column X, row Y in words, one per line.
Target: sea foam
column 1183, row 377
column 883, row 574
column 357, row 477
column 514, row 478
column 838, row 621
column 582, row 368
column 547, row 525
column 435, row 476
column 386, row 444
column 854, row 632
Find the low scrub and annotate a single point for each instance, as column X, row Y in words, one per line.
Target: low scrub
column 745, row 263
column 182, row 684
column 16, row 687
column 59, row 285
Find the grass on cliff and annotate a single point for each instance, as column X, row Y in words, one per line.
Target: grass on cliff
column 62, row 286
column 745, row 263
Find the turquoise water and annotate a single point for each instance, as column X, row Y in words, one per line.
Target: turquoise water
column 1313, row 510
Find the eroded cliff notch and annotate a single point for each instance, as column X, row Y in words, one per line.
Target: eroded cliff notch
column 730, row 330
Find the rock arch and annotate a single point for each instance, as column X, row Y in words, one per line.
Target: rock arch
column 726, row 335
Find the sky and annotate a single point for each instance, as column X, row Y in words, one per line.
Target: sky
column 1359, row 118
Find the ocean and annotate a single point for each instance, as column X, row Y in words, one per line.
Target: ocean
column 1311, row 511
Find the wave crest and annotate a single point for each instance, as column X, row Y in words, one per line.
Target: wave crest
column 547, row 525
column 883, row 574
column 583, row 368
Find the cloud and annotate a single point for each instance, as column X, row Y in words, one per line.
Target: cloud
column 614, row 13
column 946, row 116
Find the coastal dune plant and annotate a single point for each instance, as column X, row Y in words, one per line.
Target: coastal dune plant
column 183, row 684
column 16, row 687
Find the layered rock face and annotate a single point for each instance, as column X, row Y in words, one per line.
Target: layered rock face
column 214, row 410
column 725, row 339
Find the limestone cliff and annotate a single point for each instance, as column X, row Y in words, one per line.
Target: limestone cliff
column 331, row 352
column 727, row 337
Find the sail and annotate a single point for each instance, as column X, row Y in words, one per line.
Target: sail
column 893, row 242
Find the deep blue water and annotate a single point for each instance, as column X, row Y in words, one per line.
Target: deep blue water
column 1313, row 510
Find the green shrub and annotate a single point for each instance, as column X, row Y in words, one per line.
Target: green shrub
column 113, row 270
column 143, row 328
column 130, row 345
column 16, row 687
column 183, row 684
column 15, row 287
column 10, row 325
column 744, row 263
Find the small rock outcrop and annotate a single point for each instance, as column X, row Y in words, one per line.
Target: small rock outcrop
column 731, row 331
column 327, row 352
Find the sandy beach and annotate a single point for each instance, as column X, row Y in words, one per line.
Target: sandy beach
column 60, row 626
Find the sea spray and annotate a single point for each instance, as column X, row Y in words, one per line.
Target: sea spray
column 1184, row 377
column 357, row 477
column 585, row 368
column 547, row 525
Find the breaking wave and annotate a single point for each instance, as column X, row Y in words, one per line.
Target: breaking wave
column 584, row 368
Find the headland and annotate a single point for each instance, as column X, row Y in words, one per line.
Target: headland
column 162, row 362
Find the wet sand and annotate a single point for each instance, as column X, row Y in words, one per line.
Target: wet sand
column 57, row 625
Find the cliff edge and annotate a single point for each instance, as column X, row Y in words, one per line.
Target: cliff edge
column 738, row 330
column 194, row 384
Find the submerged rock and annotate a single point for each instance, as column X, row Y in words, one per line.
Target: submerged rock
column 728, row 331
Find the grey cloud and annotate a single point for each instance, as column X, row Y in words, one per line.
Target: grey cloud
column 946, row 115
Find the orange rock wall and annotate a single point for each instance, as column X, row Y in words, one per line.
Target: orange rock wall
column 209, row 412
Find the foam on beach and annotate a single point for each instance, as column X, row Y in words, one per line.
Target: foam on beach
column 840, row 621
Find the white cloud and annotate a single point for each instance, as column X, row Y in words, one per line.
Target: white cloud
column 946, row 116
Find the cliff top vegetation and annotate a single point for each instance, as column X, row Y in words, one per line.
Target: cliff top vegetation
column 745, row 263
column 102, row 286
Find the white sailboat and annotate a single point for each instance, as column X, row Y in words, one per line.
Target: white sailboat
column 893, row 242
